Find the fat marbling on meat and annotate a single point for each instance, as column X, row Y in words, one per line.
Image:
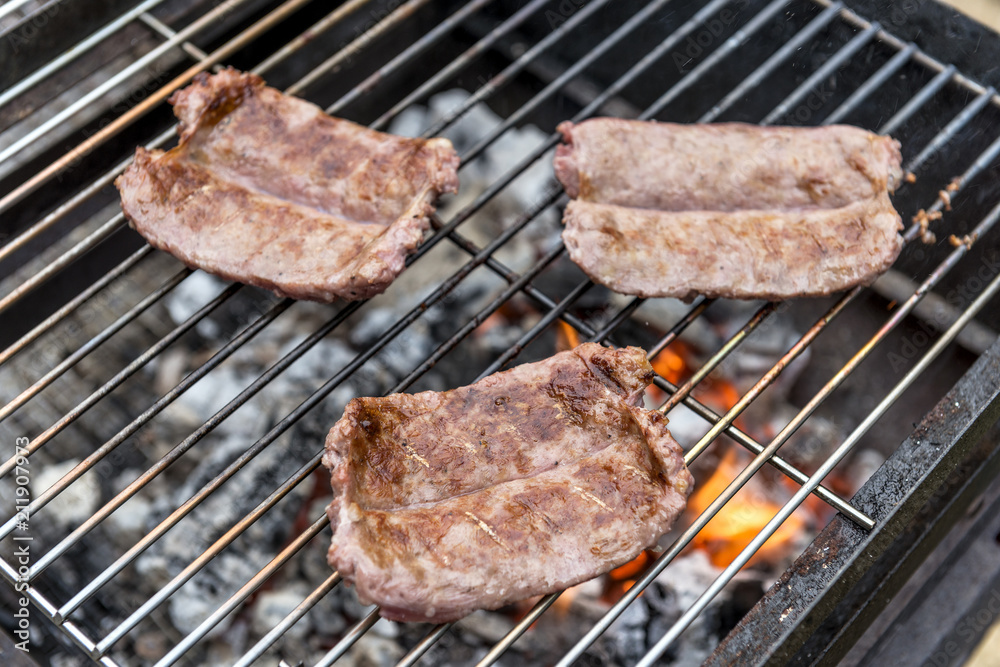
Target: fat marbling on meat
column 266, row 189
column 524, row 483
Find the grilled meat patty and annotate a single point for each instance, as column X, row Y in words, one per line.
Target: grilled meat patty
column 266, row 189
column 524, row 483
column 723, row 166
column 728, row 210
column 749, row 254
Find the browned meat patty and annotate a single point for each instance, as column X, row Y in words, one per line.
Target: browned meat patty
column 267, row 189
column 750, row 254
column 728, row 210
column 724, row 166
column 524, row 483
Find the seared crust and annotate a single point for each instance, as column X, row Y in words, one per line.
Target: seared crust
column 266, row 189
column 744, row 254
column 522, row 484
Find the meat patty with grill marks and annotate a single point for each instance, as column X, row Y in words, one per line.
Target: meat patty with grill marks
column 524, row 483
column 266, row 189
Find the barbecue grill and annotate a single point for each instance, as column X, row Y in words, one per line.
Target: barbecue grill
column 105, row 341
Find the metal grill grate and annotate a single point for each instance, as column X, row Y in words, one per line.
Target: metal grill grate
column 539, row 62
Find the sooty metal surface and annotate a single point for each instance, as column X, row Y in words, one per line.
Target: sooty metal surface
column 135, row 387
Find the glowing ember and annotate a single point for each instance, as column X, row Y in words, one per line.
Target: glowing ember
column 739, row 520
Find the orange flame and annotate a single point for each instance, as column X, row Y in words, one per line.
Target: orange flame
column 739, row 521
column 566, row 337
column 623, row 577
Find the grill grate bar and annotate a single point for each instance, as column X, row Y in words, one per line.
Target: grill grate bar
column 507, row 274
column 922, row 58
column 74, row 303
column 88, row 347
column 730, row 45
column 353, row 635
column 769, row 377
column 400, row 14
column 827, row 466
column 824, row 72
column 452, row 68
column 12, row 6
column 874, row 82
column 83, row 148
column 172, row 456
column 310, row 34
column 39, row 441
column 197, row 564
column 685, row 538
column 194, row 28
column 637, row 20
column 950, row 130
column 735, row 341
column 787, row 50
column 171, row 35
column 411, row 52
column 932, row 88
column 74, row 52
column 257, row 580
column 61, row 262
column 292, row 618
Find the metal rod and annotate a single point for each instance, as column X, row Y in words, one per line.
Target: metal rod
column 210, row 17
column 75, row 303
column 166, row 31
column 82, row 149
column 735, row 41
column 198, row 563
column 397, row 16
column 92, row 344
column 411, row 52
column 725, row 496
column 825, row 468
column 309, row 35
column 919, row 56
column 786, row 51
column 353, row 635
column 735, row 341
column 75, row 51
column 252, row 585
column 292, row 618
column 522, row 626
column 455, row 66
column 825, row 71
column 872, row 83
column 634, row 22
column 930, row 90
column 956, row 124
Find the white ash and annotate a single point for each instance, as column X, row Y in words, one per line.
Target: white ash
column 76, row 503
column 194, row 292
column 272, row 606
column 650, row 616
column 525, row 193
